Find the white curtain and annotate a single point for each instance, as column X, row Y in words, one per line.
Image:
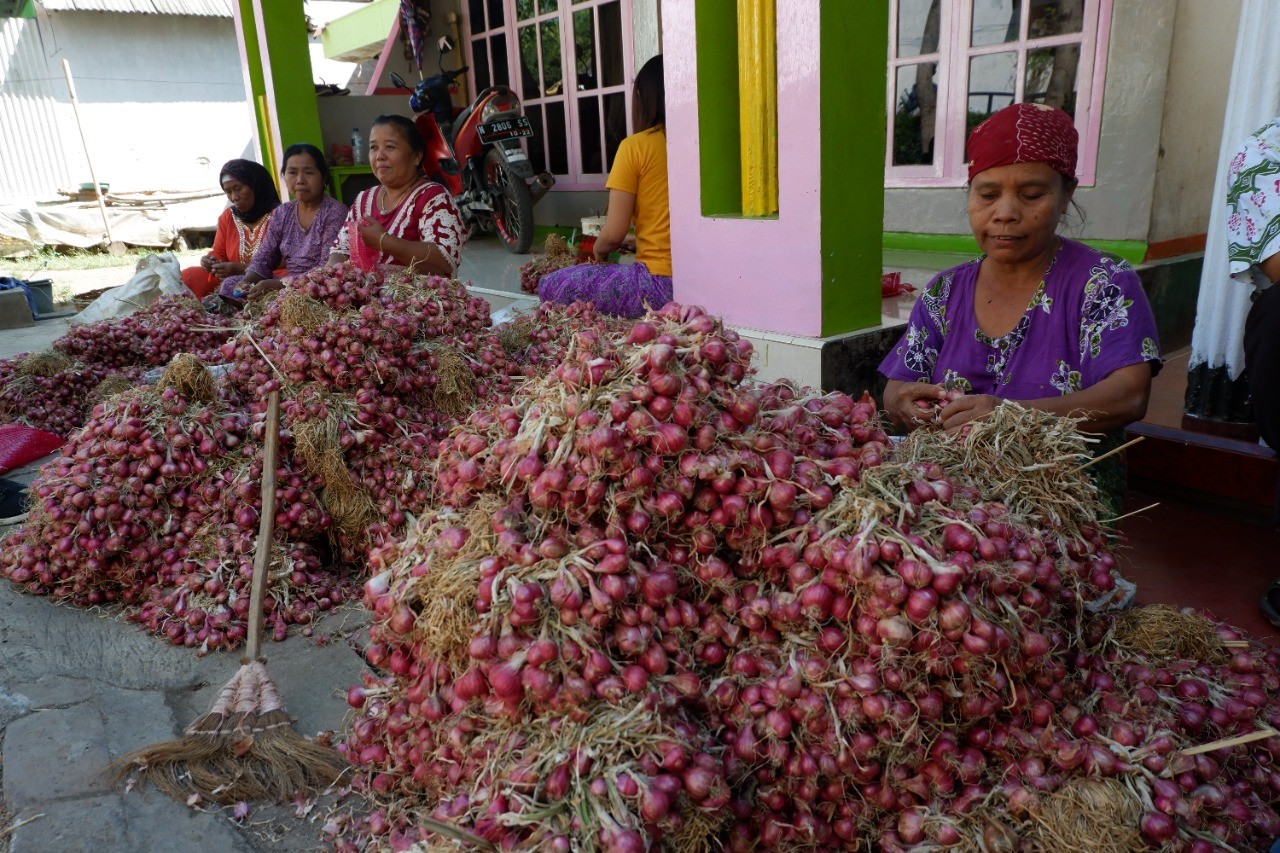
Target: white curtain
column 1253, row 99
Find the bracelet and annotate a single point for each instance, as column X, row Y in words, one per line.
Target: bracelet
column 380, row 236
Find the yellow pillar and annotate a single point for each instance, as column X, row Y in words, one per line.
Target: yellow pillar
column 758, row 106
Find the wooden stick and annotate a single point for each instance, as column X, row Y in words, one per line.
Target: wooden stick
column 1235, row 644
column 84, row 140
column 266, row 527
column 1112, row 452
column 1261, row 734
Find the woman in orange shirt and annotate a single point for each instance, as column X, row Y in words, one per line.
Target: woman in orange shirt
column 253, row 196
column 637, row 194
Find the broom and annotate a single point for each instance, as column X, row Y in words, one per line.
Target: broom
column 245, row 747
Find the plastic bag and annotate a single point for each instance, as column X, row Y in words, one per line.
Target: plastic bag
column 22, row 444
column 361, row 255
column 156, row 275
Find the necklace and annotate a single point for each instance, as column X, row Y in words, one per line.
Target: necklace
column 385, row 208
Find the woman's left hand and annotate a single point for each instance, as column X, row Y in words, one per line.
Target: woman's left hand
column 967, row 408
column 226, row 269
column 371, row 232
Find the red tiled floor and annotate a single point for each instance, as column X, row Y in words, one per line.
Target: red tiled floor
column 1178, row 554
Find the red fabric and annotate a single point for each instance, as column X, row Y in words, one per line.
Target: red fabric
column 22, row 444
column 1025, row 133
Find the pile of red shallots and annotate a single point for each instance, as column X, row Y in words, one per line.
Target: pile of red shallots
column 556, row 255
column 536, row 342
column 661, row 608
column 149, row 337
column 55, row 390
column 155, row 503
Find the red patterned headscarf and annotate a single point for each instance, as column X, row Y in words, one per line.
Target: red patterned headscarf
column 1025, row 133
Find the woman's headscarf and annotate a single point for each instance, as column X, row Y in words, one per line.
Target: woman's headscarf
column 1025, row 133
column 256, row 177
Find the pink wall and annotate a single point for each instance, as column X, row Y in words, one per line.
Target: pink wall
column 762, row 274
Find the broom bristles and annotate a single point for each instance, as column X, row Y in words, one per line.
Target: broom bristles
column 243, row 749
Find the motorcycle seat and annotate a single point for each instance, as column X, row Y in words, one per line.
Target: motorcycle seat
column 459, row 123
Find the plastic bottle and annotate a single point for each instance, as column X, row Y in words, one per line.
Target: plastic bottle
column 358, row 155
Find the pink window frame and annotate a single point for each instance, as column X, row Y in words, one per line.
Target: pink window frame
column 953, row 57
column 575, row 180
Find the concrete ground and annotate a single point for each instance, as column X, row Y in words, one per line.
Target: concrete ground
column 81, row 688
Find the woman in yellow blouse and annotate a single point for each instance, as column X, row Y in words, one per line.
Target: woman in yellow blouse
column 637, row 195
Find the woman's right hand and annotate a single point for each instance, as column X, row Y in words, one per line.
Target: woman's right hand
column 262, row 288
column 912, row 404
column 208, row 261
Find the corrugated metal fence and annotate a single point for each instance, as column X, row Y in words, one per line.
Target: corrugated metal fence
column 33, row 159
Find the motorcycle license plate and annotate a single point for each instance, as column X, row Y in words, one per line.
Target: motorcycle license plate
column 507, row 128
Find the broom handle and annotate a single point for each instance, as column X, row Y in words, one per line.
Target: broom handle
column 266, row 526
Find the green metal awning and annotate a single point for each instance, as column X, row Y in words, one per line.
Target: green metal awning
column 17, row 8
column 359, row 35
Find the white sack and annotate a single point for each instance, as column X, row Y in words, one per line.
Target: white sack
column 157, row 275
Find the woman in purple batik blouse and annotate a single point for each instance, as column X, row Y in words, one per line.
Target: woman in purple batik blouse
column 301, row 231
column 1039, row 319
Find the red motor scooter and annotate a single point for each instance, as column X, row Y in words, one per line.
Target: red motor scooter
column 478, row 155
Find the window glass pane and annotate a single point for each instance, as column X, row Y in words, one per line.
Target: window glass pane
column 498, row 50
column 584, row 47
column 537, row 145
column 480, row 65
column 1051, row 76
column 545, row 6
column 1055, row 18
column 611, row 48
column 524, row 9
column 992, row 84
column 615, row 125
column 915, row 116
column 495, row 14
column 995, row 21
column 552, row 76
column 557, row 146
column 918, row 22
column 589, row 135
column 475, row 13
column 528, row 40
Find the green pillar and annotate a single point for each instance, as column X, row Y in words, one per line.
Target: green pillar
column 253, row 61
column 288, row 89
column 853, row 57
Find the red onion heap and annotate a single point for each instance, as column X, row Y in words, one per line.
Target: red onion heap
column 543, row 637
column 136, row 511
column 55, row 390
column 377, row 368
column 663, row 609
column 48, row 391
column 536, row 342
column 149, row 337
column 556, row 255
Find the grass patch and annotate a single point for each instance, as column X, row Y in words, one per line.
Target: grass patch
column 49, row 259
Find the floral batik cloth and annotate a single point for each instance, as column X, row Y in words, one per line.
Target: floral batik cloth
column 1088, row 318
column 1253, row 204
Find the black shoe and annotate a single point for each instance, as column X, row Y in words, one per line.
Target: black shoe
column 1270, row 603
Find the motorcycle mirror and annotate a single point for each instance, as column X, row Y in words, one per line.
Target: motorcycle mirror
column 445, row 44
column 398, row 81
